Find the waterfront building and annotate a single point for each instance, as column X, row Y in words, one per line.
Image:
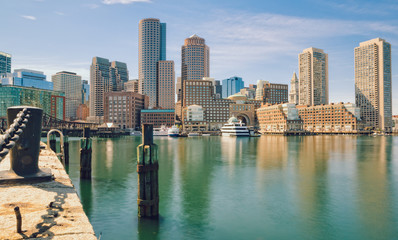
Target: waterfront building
column 294, row 90
column 166, row 85
column 272, row 93
column 131, row 86
column 28, row 78
column 373, row 83
column 194, row 119
column 231, row 86
column 395, row 123
column 124, row 108
column 151, row 50
column 70, row 83
column 313, row 77
column 85, row 92
column 201, row 93
column 279, row 118
column 331, row 118
column 5, row 63
column 82, row 112
column 52, row 102
column 119, row 75
column 158, row 117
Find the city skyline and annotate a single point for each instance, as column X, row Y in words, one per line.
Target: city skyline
column 254, row 41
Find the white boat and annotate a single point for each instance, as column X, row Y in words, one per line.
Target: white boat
column 173, row 131
column 235, row 128
column 135, row 133
column 193, row 134
column 206, row 135
column 162, row 131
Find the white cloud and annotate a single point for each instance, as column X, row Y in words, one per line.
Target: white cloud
column 29, row 17
column 109, row 2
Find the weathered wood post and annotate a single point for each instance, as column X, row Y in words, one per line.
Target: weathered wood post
column 53, row 142
column 85, row 155
column 19, row 219
column 147, row 168
column 66, row 147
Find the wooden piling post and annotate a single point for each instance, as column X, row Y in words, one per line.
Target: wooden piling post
column 66, row 148
column 53, row 142
column 85, row 155
column 19, row 219
column 147, row 168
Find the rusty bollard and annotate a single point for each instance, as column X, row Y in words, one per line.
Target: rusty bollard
column 19, row 219
column 24, row 156
column 85, row 155
column 147, row 168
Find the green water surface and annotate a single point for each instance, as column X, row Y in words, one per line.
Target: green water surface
column 272, row 187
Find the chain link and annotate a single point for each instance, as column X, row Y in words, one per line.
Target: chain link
column 12, row 134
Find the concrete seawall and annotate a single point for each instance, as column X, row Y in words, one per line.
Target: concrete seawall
column 50, row 210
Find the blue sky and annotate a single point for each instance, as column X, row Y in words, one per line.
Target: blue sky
column 251, row 39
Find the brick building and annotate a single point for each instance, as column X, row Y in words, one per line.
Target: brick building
column 158, row 117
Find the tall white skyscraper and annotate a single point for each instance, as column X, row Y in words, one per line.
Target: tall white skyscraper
column 373, row 83
column 313, row 77
column 151, row 60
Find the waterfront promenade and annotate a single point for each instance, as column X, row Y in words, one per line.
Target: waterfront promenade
column 50, row 210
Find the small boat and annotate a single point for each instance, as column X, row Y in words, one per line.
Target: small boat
column 135, row 133
column 205, row 134
column 193, row 134
column 162, row 131
column 173, row 131
column 235, row 128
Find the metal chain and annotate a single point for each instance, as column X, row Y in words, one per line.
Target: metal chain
column 13, row 133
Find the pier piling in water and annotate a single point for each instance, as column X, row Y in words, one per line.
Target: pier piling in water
column 147, row 168
column 66, row 148
column 85, row 155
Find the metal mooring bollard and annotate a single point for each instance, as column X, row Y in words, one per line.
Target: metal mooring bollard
column 85, row 155
column 23, row 140
column 147, row 168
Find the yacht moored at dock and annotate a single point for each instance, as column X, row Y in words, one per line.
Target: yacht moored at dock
column 235, row 128
column 173, row 131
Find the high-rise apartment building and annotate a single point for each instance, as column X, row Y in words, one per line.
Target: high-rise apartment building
column 151, row 50
column 231, row 86
column 71, row 85
column 119, row 75
column 5, row 63
column 105, row 77
column 85, row 92
column 166, row 87
column 294, row 91
column 274, row 93
column 313, row 77
column 373, row 83
column 99, row 84
column 259, row 89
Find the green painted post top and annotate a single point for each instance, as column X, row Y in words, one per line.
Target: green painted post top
column 147, row 134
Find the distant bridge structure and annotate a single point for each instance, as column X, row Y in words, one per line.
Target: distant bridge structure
column 50, row 122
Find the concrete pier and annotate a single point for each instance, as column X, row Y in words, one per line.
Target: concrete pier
column 50, row 210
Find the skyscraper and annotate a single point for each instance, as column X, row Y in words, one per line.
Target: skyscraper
column 119, row 75
column 71, row 85
column 5, row 63
column 294, row 91
column 373, row 83
column 194, row 59
column 166, row 86
column 105, row 77
column 313, row 77
column 151, row 50
column 231, row 86
column 99, row 84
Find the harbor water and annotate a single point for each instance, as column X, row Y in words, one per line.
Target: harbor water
column 271, row 187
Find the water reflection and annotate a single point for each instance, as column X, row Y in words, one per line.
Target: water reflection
column 86, row 195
